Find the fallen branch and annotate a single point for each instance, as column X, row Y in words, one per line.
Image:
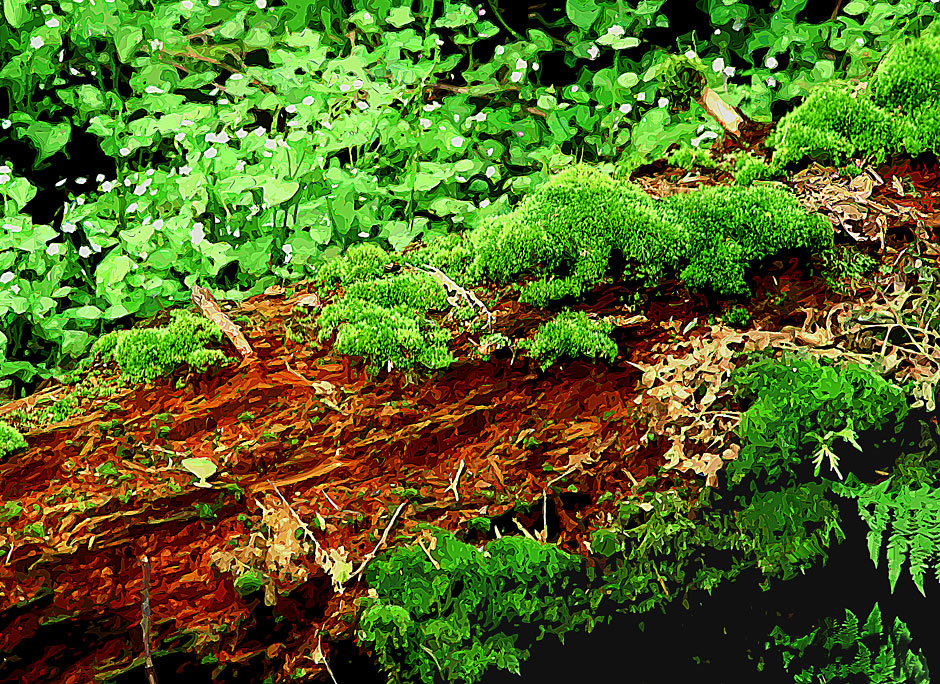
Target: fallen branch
column 145, row 621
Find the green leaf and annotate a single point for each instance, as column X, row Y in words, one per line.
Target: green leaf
column 582, row 12
column 856, row 7
column 16, row 12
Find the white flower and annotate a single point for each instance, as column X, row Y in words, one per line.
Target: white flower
column 593, row 51
column 362, row 105
column 13, row 228
column 307, row 100
column 771, row 81
column 489, row 152
column 197, row 234
column 52, row 249
column 737, row 25
column 729, row 71
column 641, row 97
column 158, row 224
column 6, row 277
column 156, row 44
column 367, row 17
column 52, row 23
column 535, row 67
column 860, row 41
column 662, row 102
column 425, row 122
column 357, row 83
column 261, row 4
column 480, row 116
column 484, row 203
column 615, row 30
column 625, row 108
column 690, row 54
column 99, row 178
column 515, row 77
column 344, row 87
column 500, row 49
column 456, row 141
column 574, row 88
column 84, row 252
column 718, row 65
column 210, row 153
column 490, row 170
column 68, row 227
column 36, row 42
column 771, row 63
column 125, row 151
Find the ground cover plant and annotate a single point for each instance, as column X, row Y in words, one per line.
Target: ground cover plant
column 465, row 361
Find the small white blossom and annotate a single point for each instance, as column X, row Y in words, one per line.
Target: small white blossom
column 729, row 71
column 860, row 41
column 718, row 65
column 515, row 77
column 662, row 102
column 456, row 141
column 737, row 25
column 771, row 63
column 500, row 49
column 6, row 277
column 690, row 54
column 593, row 52
column 615, row 30
column 52, row 23
column 84, row 252
column 490, row 170
column 625, row 108
column 771, row 81
column 641, row 97
column 36, row 42
column 307, row 100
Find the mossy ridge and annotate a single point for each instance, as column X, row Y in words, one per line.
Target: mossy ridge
column 569, row 230
column 899, row 109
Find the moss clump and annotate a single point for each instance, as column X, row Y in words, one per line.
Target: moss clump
column 748, row 168
column 146, row 353
column 899, row 110
column 10, row 440
column 573, row 334
column 573, row 224
column 396, row 336
column 731, row 227
column 686, row 156
column 361, row 262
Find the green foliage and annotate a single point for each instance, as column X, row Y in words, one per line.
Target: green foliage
column 448, row 253
column 737, row 315
column 249, row 582
column 451, row 619
column 868, row 654
column 842, row 263
column 573, row 334
column 681, row 79
column 146, row 353
column 798, row 403
column 909, row 75
column 913, row 513
column 10, row 440
column 730, row 227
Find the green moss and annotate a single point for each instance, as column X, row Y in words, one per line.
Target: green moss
column 10, row 440
column 571, row 334
column 686, row 156
column 732, row 227
column 364, row 261
column 146, row 353
column 898, row 110
column 396, row 336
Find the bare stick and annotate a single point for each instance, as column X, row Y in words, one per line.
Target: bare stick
column 371, row 555
column 145, row 621
column 453, row 485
